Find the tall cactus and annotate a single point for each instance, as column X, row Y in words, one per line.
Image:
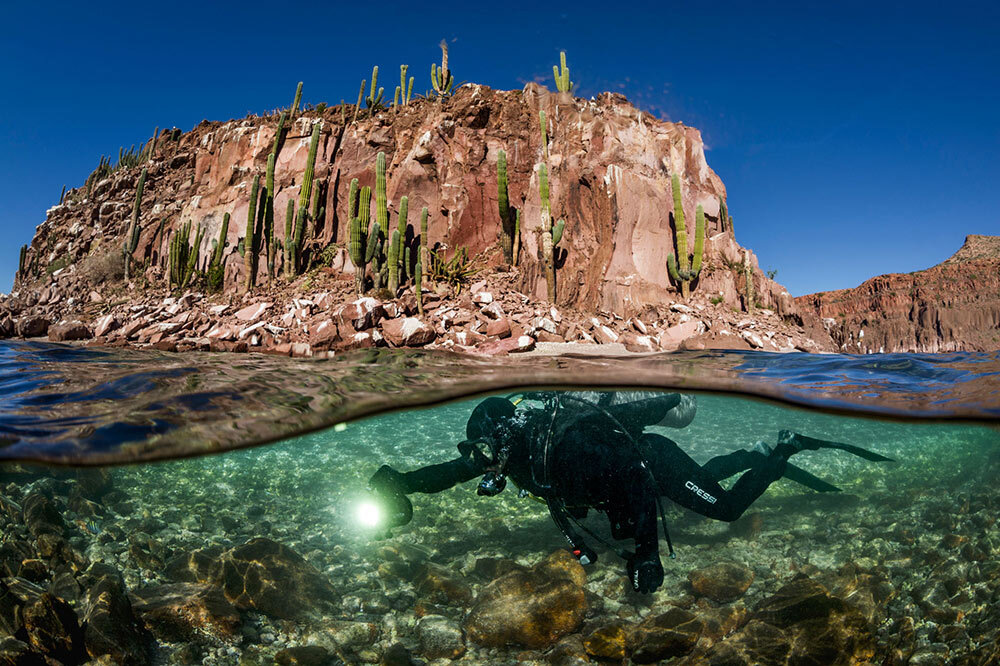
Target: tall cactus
column 216, row 270
column 548, row 259
column 361, row 94
column 418, row 279
column 289, row 236
column 723, row 214
column 678, row 265
column 374, row 100
column 22, row 260
column 441, row 79
column 269, row 215
column 298, row 98
column 424, row 256
column 507, row 223
column 699, row 241
column 249, row 242
column 132, row 238
column 393, row 263
column 192, row 257
column 358, row 241
column 563, row 84
column 748, row 292
column 404, row 90
column 403, row 252
column 381, row 209
column 294, row 244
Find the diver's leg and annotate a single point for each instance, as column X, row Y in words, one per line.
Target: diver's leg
column 730, row 464
column 685, row 481
column 644, row 568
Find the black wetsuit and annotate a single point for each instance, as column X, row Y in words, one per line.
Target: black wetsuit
column 577, row 457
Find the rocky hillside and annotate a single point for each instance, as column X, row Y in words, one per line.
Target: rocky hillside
column 610, row 169
column 954, row 306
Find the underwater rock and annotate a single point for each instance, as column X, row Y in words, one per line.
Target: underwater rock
column 18, row 653
column 199, row 566
column 608, row 642
column 532, row 608
column 492, row 568
column 269, row 577
column 353, row 636
column 303, row 655
column 41, row 516
column 111, row 627
column 440, row 638
column 397, row 655
column 721, row 582
column 52, row 628
column 438, row 584
column 664, row 636
column 178, row 611
column 801, row 623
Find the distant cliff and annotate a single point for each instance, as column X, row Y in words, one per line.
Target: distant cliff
column 954, row 306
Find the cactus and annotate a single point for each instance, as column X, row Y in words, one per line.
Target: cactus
column 678, row 266
column 269, row 215
column 557, row 232
column 381, row 211
column 192, row 258
column 405, row 90
column 361, row 94
column 563, row 84
column 358, row 241
column 403, row 252
column 374, row 101
column 723, row 214
column 748, row 292
column 152, row 144
column 418, row 279
column 441, row 79
column 298, row 98
column 286, row 246
column 249, row 243
column 21, row 261
column 547, row 245
column 393, row 265
column 132, row 237
column 62, row 196
column 699, row 241
column 422, row 257
column 279, row 135
column 503, row 205
column 216, row 270
column 395, row 98
column 295, row 239
column 545, row 138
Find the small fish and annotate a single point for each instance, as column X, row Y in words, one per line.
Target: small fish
column 89, row 525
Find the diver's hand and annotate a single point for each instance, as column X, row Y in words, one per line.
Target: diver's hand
column 645, row 573
column 389, row 490
column 584, row 554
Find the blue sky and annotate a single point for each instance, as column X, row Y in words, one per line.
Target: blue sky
column 854, row 138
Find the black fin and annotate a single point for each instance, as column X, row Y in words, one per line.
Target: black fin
column 799, row 475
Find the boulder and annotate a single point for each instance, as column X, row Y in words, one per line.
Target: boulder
column 532, row 608
column 440, row 638
column 721, row 582
column 111, row 627
column 252, row 313
column 359, row 315
column 273, row 579
column 178, row 612
column 32, row 326
column 671, row 338
column 66, row 331
column 498, row 328
column 407, row 332
column 304, row 655
column 665, row 636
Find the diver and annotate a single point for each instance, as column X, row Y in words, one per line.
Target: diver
column 579, row 451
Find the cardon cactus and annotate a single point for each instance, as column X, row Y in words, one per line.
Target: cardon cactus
column 250, row 243
column 423, row 258
column 295, row 243
column 298, row 98
column 563, row 84
column 749, row 296
column 216, row 270
column 548, row 259
column 269, row 215
column 544, row 125
column 441, row 79
column 374, row 100
column 132, row 238
column 681, row 268
column 192, row 258
column 393, row 263
column 507, row 221
column 403, row 251
column 381, row 205
column 418, row 279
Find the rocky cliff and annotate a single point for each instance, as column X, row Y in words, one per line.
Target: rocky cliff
column 954, row 306
column 610, row 169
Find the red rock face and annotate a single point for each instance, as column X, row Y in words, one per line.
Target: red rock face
column 954, row 306
column 610, row 167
